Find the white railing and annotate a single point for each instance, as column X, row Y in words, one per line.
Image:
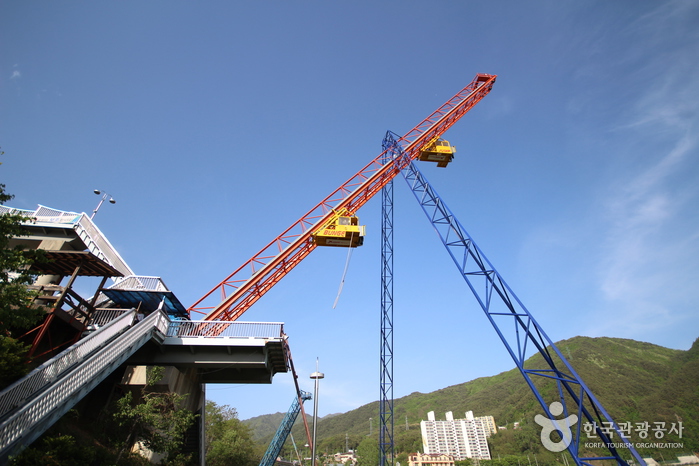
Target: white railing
column 102, row 317
column 139, row 283
column 43, row 214
column 12, row 211
column 98, row 244
column 219, row 329
column 133, row 283
column 74, row 374
column 48, row 215
column 88, row 232
column 62, row 395
column 17, row 393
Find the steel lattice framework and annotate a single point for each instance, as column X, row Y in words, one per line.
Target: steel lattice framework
column 241, row 289
column 277, row 443
column 386, row 420
column 513, row 323
column 522, row 335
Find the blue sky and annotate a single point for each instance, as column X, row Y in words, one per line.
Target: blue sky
column 215, row 125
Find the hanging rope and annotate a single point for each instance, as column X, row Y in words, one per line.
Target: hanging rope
column 344, row 273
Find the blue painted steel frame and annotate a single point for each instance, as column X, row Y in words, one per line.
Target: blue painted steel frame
column 487, row 286
column 275, row 446
column 386, row 422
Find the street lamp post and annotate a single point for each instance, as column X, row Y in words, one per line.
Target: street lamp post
column 105, row 195
column 316, row 376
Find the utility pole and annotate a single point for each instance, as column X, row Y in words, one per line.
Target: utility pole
column 316, row 376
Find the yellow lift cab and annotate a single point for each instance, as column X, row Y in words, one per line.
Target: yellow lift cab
column 437, row 150
column 342, row 230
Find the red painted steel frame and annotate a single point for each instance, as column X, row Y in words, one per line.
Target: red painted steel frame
column 254, row 278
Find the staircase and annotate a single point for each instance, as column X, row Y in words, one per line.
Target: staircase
column 32, row 404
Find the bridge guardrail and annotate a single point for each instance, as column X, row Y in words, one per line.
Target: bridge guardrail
column 16, row 394
column 28, row 422
column 222, row 329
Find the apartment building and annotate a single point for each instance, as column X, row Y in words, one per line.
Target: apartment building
column 489, row 424
column 460, row 438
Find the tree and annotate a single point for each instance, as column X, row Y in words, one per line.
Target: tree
column 402, row 458
column 368, row 452
column 228, row 441
column 216, row 420
column 409, row 441
column 16, row 314
column 60, row 450
column 15, row 311
column 13, row 359
column 466, row 462
column 157, row 420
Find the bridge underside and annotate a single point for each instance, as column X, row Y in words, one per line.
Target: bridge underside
column 218, row 361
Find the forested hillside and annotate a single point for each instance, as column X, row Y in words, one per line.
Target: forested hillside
column 635, row 381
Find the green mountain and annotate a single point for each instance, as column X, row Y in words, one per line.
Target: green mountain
column 634, row 381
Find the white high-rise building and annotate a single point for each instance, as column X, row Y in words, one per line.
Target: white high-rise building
column 461, row 438
column 489, row 424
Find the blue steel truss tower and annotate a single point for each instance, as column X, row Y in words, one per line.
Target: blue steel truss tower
column 386, row 423
column 567, row 403
column 275, row 446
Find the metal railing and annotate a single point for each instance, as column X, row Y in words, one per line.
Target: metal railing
column 140, row 283
column 32, row 405
column 43, row 214
column 88, row 232
column 22, row 390
column 13, row 211
column 102, row 317
column 133, row 283
column 30, row 421
column 98, row 244
column 220, row 329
